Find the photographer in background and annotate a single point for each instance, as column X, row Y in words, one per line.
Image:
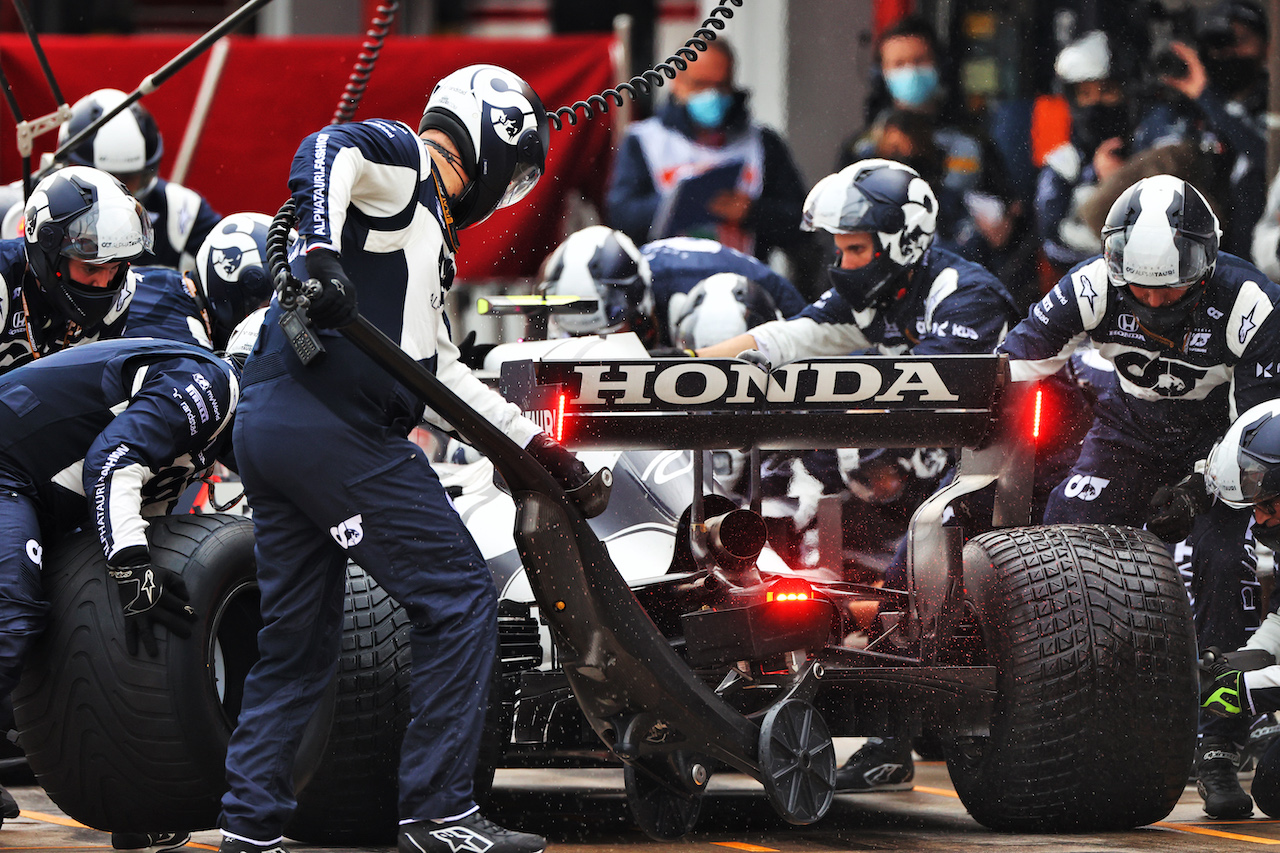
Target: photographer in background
column 1221, row 86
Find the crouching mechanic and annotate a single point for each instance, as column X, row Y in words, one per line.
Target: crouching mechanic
column 66, row 281
column 892, row 292
column 330, row 472
column 1243, row 472
column 1193, row 337
column 122, row 426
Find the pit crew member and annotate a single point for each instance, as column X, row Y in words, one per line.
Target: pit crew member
column 102, row 436
column 331, row 474
column 66, row 280
column 1189, row 332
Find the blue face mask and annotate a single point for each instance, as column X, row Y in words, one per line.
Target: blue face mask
column 709, row 107
column 912, row 85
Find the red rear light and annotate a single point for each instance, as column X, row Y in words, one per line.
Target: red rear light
column 789, row 589
column 560, row 402
column 1039, row 408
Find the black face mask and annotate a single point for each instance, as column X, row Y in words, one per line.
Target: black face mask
column 1269, row 536
column 1093, row 125
column 876, row 284
column 1232, row 74
column 1167, row 320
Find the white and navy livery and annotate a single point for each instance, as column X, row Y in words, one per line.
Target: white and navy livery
column 164, row 305
column 950, row 306
column 677, row 264
column 332, row 476
column 99, row 436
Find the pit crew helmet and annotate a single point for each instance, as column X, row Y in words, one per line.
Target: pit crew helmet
column 603, row 264
column 79, row 213
column 500, row 129
column 889, row 201
column 129, row 144
column 230, row 275
column 1243, row 468
column 719, row 307
column 1159, row 233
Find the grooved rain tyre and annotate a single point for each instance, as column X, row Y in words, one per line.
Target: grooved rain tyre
column 352, row 798
column 135, row 743
column 1095, row 721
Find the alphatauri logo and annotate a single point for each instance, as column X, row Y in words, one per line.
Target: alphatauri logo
column 1085, row 488
column 348, row 533
column 34, row 552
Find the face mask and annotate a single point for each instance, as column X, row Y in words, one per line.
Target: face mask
column 709, row 107
column 1269, row 536
column 912, row 85
column 1095, row 124
column 1167, row 320
column 873, row 285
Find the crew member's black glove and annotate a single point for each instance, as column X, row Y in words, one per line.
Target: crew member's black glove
column 335, row 305
column 150, row 594
column 471, row 353
column 560, row 463
column 1174, row 508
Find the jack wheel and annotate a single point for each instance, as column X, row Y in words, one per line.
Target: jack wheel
column 665, row 811
column 797, row 761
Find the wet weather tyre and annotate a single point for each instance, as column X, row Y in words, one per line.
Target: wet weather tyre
column 1090, row 631
column 135, row 743
column 352, row 798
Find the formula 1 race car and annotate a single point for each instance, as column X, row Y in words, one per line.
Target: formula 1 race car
column 1056, row 664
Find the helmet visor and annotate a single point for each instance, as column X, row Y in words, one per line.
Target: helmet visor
column 1155, row 258
column 1254, row 487
column 524, row 178
column 115, row 229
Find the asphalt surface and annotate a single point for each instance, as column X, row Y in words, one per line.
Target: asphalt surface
column 585, row 810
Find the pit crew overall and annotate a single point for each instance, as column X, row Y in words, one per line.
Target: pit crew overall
column 120, row 426
column 332, row 476
column 164, row 306
column 1168, row 404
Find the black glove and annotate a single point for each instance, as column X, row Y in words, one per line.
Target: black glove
column 1174, row 508
column 150, row 594
column 335, row 305
column 472, row 354
column 560, row 463
column 672, row 352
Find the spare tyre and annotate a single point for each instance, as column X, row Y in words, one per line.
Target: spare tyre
column 135, row 743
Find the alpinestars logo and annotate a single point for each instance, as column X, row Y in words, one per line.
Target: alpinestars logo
column 348, row 533
column 881, row 775
column 34, row 552
column 1085, row 488
column 460, row 838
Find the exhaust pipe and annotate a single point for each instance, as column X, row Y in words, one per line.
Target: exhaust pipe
column 736, row 539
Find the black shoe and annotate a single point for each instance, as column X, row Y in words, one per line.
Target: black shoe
column 472, row 832
column 882, row 764
column 239, row 845
column 151, row 842
column 8, row 806
column 1217, row 768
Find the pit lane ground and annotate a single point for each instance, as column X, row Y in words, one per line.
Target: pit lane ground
column 584, row 811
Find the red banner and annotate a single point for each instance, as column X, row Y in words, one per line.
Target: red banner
column 273, row 92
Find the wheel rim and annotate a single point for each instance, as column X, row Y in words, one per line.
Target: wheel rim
column 233, row 646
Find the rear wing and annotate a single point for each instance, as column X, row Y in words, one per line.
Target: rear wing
column 702, row 404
